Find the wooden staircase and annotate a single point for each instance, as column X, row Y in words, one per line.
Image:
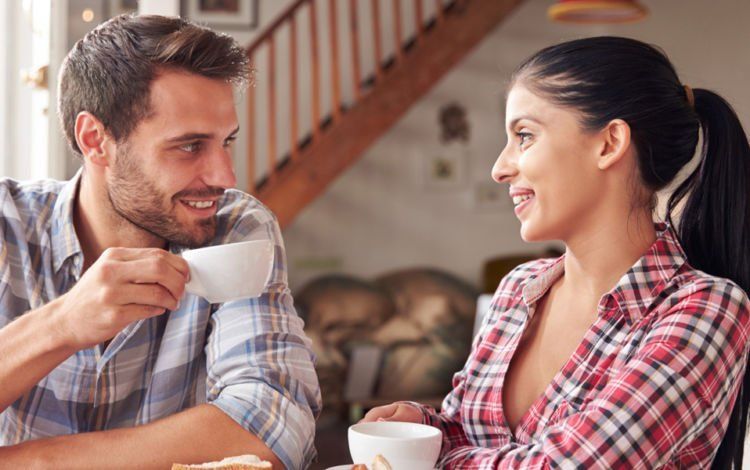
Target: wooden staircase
column 337, row 138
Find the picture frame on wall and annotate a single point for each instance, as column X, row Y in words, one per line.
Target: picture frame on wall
column 445, row 168
column 222, row 14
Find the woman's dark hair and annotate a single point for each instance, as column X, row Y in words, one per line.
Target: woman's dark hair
column 606, row 78
column 109, row 72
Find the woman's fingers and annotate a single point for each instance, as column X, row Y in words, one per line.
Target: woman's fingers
column 380, row 413
column 394, row 412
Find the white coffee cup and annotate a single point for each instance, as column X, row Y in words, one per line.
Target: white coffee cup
column 223, row 273
column 408, row 446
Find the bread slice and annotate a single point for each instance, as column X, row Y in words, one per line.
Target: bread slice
column 240, row 462
column 380, row 463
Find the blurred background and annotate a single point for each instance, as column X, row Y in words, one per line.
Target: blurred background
column 370, row 131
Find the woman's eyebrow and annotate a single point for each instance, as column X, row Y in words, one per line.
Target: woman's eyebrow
column 524, row 117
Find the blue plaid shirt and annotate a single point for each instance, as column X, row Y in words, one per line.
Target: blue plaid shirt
column 250, row 358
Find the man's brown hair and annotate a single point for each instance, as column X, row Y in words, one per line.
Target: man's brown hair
column 109, row 72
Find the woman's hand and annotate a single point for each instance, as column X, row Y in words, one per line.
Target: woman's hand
column 394, row 412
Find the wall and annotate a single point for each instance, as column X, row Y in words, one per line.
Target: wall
column 379, row 215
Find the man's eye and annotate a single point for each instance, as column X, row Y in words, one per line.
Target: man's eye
column 229, row 142
column 192, row 147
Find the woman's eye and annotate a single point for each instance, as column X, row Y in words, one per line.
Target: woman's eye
column 523, row 138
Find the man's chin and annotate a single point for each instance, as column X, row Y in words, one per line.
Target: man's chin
column 195, row 236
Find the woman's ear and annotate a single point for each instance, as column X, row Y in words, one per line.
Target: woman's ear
column 616, row 143
column 92, row 139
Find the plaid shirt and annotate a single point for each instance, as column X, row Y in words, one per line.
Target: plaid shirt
column 249, row 358
column 651, row 384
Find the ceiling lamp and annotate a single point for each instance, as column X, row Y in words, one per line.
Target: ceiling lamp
column 597, row 11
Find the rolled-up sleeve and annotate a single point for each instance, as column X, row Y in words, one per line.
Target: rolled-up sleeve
column 259, row 362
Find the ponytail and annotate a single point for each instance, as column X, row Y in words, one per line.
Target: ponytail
column 714, row 228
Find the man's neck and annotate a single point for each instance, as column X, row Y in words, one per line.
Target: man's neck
column 99, row 227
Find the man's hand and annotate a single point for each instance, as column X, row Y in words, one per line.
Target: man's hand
column 124, row 285
column 394, row 412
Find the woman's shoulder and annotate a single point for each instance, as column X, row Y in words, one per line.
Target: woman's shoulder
column 518, row 277
column 690, row 284
column 698, row 297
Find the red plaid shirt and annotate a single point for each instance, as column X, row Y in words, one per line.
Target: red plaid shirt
column 650, row 386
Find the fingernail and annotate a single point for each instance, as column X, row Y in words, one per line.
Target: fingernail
column 381, row 419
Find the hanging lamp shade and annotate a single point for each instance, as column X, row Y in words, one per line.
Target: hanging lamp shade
column 597, row 11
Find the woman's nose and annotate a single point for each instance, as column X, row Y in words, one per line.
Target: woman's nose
column 504, row 168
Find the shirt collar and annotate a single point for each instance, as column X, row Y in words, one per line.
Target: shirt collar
column 637, row 288
column 64, row 240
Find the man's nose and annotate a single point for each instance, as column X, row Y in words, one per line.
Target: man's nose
column 219, row 169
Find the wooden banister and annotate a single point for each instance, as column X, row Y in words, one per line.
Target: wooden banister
column 271, row 29
column 399, row 42
column 250, row 169
column 354, row 35
column 345, row 125
column 335, row 80
column 293, row 92
column 314, row 56
column 418, row 18
column 376, row 39
column 268, row 39
column 271, row 106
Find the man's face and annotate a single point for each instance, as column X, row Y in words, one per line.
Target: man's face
column 167, row 177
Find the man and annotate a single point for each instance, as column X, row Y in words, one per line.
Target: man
column 105, row 361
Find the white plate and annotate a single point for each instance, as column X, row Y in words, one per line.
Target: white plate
column 342, row 467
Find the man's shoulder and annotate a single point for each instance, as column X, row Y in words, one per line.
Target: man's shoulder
column 28, row 199
column 240, row 214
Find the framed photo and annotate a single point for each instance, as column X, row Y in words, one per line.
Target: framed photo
column 222, row 14
column 445, row 168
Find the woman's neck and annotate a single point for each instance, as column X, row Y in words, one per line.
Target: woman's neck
column 595, row 260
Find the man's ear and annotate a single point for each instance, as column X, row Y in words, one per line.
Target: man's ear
column 616, row 143
column 92, row 139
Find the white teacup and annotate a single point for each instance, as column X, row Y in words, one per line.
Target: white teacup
column 408, row 446
column 223, row 273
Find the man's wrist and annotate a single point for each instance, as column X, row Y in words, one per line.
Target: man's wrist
column 51, row 318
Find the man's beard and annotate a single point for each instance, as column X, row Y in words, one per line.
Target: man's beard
column 137, row 199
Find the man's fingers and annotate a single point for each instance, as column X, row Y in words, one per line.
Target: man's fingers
column 154, row 271
column 151, row 295
column 135, row 254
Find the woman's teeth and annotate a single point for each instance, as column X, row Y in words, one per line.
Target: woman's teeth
column 200, row 204
column 519, row 199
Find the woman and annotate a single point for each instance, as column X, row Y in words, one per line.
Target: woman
column 629, row 351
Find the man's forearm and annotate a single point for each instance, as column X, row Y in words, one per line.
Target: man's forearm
column 201, row 434
column 30, row 347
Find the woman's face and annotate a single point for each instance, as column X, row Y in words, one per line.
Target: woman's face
column 550, row 162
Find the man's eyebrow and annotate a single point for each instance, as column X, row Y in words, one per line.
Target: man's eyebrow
column 199, row 136
column 190, row 136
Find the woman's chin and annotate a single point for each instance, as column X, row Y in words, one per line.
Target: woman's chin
column 529, row 233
